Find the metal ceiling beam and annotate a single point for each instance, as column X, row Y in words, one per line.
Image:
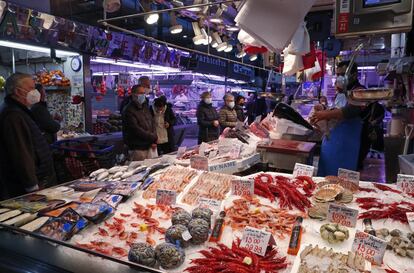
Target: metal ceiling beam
column 166, row 10
column 151, row 39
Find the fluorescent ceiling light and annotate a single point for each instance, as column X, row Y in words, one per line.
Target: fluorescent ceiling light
column 240, row 54
column 366, row 67
column 59, row 53
column 232, row 28
column 151, row 18
column 134, row 64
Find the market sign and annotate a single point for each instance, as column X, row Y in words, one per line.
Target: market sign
column 240, row 72
column 370, row 247
column 210, row 65
column 406, row 183
column 349, row 175
column 28, row 26
column 256, row 240
column 241, row 187
column 212, row 204
column 303, row 170
column 199, row 162
column 342, row 215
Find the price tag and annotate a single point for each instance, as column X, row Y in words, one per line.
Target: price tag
column 181, row 151
column 166, row 197
column 406, row 183
column 370, row 247
column 242, row 187
column 303, row 170
column 235, row 151
column 342, row 215
column 202, row 148
column 349, row 175
column 186, row 235
column 410, row 218
column 256, row 240
column 199, row 162
column 212, row 204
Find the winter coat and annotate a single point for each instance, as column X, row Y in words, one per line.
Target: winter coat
column 171, row 119
column 138, row 127
column 44, row 120
column 228, row 117
column 206, row 115
column 25, row 157
column 240, row 113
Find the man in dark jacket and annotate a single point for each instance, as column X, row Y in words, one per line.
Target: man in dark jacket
column 26, row 162
column 144, row 81
column 138, row 126
column 239, row 108
column 164, row 123
column 207, row 119
column 42, row 117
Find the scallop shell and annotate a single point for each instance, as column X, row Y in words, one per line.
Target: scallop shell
column 326, row 195
column 318, row 211
column 345, row 197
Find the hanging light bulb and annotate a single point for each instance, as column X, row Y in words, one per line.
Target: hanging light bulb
column 216, row 40
column 229, row 48
column 198, row 38
column 240, row 52
column 175, row 27
column 150, row 19
column 253, row 58
column 207, row 38
column 196, row 9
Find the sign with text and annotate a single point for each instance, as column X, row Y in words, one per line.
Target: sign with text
column 349, row 175
column 199, row 162
column 370, row 247
column 222, row 166
column 256, row 240
column 166, row 197
column 211, row 204
column 342, row 215
column 406, row 183
column 303, row 170
column 410, row 218
column 181, row 151
column 242, row 187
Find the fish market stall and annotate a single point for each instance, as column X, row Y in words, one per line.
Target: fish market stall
column 178, row 219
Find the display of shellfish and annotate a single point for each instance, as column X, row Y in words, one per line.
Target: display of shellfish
column 318, row 211
column 334, row 233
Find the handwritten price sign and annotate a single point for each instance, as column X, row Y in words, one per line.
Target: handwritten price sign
column 199, row 162
column 166, row 197
column 212, row 204
column 242, row 187
column 303, row 170
column 349, row 175
column 406, row 183
column 342, row 215
column 256, row 240
column 369, row 247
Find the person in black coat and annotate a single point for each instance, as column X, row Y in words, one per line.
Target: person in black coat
column 43, row 119
column 239, row 108
column 26, row 162
column 165, row 120
column 207, row 119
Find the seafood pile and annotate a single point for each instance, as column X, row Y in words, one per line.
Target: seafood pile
column 321, row 260
column 378, row 210
column 250, row 212
column 400, row 244
column 334, row 233
column 210, row 185
column 291, row 192
column 117, row 173
column 333, row 192
column 236, row 259
column 174, row 178
column 319, row 211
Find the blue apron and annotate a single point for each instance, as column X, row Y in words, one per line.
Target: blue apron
column 341, row 148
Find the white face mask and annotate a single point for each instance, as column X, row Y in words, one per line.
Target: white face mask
column 208, row 100
column 33, row 97
column 231, row 104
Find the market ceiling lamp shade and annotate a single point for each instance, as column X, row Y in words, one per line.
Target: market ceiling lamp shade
column 216, row 40
column 175, row 27
column 111, row 5
column 205, row 9
column 229, row 48
column 207, row 38
column 221, row 47
column 196, row 9
column 48, row 20
column 217, row 18
column 240, row 52
column 253, row 58
column 177, row 3
column 232, row 28
column 198, row 38
column 150, row 19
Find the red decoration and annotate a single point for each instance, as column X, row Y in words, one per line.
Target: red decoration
column 77, row 99
column 121, row 92
column 255, row 50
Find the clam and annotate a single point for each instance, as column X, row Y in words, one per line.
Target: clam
column 340, row 235
column 395, row 233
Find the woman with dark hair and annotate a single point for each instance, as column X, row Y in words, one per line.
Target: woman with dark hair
column 42, row 117
column 165, row 120
column 239, row 108
column 207, row 119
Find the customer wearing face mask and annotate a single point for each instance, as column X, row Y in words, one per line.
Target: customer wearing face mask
column 228, row 115
column 26, row 162
column 164, row 124
column 239, row 108
column 207, row 119
column 144, row 81
column 138, row 127
column 42, row 117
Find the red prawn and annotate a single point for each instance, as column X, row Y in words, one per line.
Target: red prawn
column 103, row 232
column 120, row 251
column 386, row 188
column 366, row 189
